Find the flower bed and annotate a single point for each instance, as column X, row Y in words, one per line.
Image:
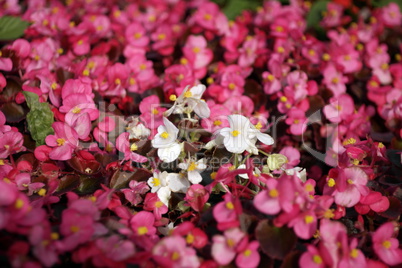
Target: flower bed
column 163, row 134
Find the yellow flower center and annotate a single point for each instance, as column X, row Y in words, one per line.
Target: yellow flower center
column 142, row 230
column 143, row 67
column 308, row 219
column 335, row 80
column 175, row 256
column 165, row 135
column 117, row 81
column 213, row 175
column 156, row 182
column 161, row 36
column 137, row 35
column 133, row 147
column 350, row 181
column 155, row 111
column 188, row 94
column 229, row 205
column 387, row 244
column 158, row 204
column 247, row 252
column 192, row 166
column 283, row 99
column 279, row 29
column 74, row 229
column 60, row 141
column 19, row 203
column 54, row 85
column 80, row 42
column 190, row 239
column 235, row 133
column 217, row 122
column 54, row 236
column 132, row 81
column 232, row 86
column 196, row 50
column 317, row 259
column 328, row 214
column 354, row 253
column 172, row 97
column 331, row 182
column 42, row 192
column 273, row 193
column 207, row 17
column 85, row 72
column 76, row 110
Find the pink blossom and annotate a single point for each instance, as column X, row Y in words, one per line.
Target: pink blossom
column 297, row 121
column 385, row 245
column 197, row 52
column 334, row 80
column 332, row 17
column 248, row 257
column 226, row 213
column 197, row 196
column 64, row 141
column 124, row 146
column 224, row 246
column 271, row 83
column 152, row 112
column 23, row 181
column 11, row 142
column 312, row 258
column 153, row 203
column 391, row 15
column 340, row 108
column 115, row 248
column 142, row 223
column 172, row 252
column 135, row 192
column 304, row 224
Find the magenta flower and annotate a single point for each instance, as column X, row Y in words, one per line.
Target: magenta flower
column 248, row 257
column 297, row 121
column 340, row 108
column 23, row 182
column 154, row 204
column 312, row 258
column 124, row 146
column 135, row 192
column 151, row 112
column 304, row 224
column 64, row 141
column 115, row 248
column 196, row 197
column 385, row 245
column 172, row 252
column 226, row 213
column 10, row 143
column 142, row 223
column 224, row 246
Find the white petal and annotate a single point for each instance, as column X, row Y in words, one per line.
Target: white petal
column 171, row 129
column 194, row 177
column 197, row 91
column 236, row 145
column 239, row 122
column 202, row 109
column 178, row 183
column 243, row 175
column 265, row 138
column 169, row 154
column 164, row 195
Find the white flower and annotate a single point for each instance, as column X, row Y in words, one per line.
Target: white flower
column 165, row 141
column 137, row 130
column 163, row 184
column 193, row 170
column 241, row 135
column 300, row 173
column 256, row 172
column 190, row 100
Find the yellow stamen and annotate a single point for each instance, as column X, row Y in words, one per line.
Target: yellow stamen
column 232, row 86
column 273, row 193
column 308, row 219
column 76, row 110
column 133, row 147
column 207, row 17
column 183, row 61
column 60, row 141
column 188, row 94
column 386, row 244
column 354, row 253
column 190, row 239
column 317, row 259
column 350, row 181
column 155, row 111
column 42, row 192
column 117, row 81
column 329, row 214
column 247, row 252
column 326, row 57
column 156, row 182
column 54, row 236
column 196, row 50
column 172, row 97
column 217, row 122
column 192, row 166
column 158, row 204
column 142, row 230
column 229, row 205
column 331, row 182
column 137, row 35
column 19, row 203
column 175, row 256
column 85, row 72
column 165, row 135
column 235, row 133
column 74, row 229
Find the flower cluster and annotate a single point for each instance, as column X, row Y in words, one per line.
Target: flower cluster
column 162, row 134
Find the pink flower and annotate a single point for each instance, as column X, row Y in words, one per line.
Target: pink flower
column 391, row 15
column 217, row 119
column 197, row 196
column 153, row 203
column 271, row 83
column 142, row 223
column 64, row 141
column 224, row 246
column 76, row 227
column 333, row 15
column 194, row 236
column 334, row 80
column 115, row 248
column 172, row 252
column 248, row 257
column 124, row 146
column 23, row 181
column 385, row 245
column 312, row 258
column 340, row 108
column 356, row 180
column 267, row 201
column 134, row 194
column 151, row 112
column 297, row 121
column 136, row 35
column 304, row 224
column 197, row 52
column 226, row 213
column 11, row 142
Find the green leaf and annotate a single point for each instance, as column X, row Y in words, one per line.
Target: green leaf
column 315, row 14
column 235, row 7
column 12, row 27
column 40, row 118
